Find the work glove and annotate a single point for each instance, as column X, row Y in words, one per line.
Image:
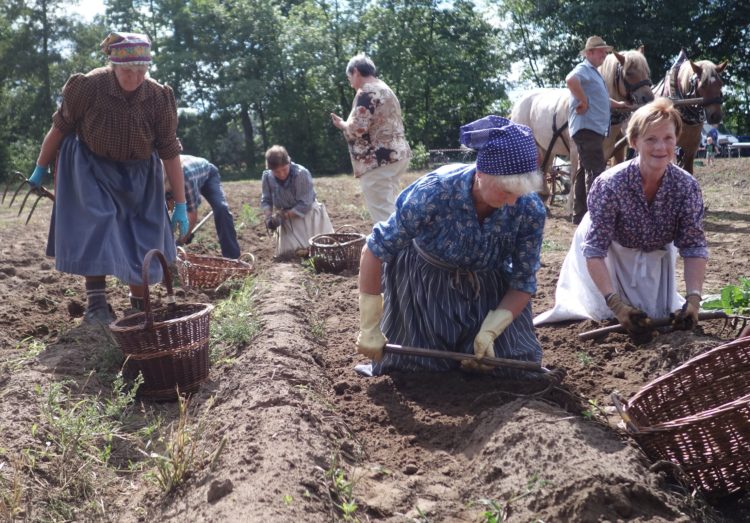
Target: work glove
column 634, row 320
column 38, row 176
column 494, row 324
column 687, row 317
column 370, row 340
column 180, row 218
column 272, row 222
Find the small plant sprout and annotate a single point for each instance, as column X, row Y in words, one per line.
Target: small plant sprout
column 287, row 499
column 340, row 490
column 583, row 358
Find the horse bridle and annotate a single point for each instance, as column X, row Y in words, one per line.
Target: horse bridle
column 695, row 114
column 629, row 88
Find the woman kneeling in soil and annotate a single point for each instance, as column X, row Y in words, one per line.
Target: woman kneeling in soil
column 111, row 129
column 288, row 187
column 622, row 260
column 458, row 258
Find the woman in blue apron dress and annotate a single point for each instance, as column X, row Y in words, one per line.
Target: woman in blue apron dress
column 458, row 258
column 108, row 135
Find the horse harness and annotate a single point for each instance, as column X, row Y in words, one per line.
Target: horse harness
column 618, row 117
column 691, row 114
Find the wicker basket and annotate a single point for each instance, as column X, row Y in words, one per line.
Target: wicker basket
column 698, row 417
column 168, row 345
column 200, row 271
column 336, row 251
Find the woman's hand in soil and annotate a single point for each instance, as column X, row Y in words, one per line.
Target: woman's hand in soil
column 370, row 340
column 687, row 317
column 633, row 319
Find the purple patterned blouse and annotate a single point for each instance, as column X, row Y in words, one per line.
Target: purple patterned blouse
column 619, row 211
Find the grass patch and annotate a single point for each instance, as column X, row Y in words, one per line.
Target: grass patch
column 249, row 216
column 234, row 323
column 552, row 246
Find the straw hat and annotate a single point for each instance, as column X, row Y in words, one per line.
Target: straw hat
column 595, row 42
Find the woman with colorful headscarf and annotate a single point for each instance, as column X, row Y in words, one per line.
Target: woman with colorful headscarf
column 458, row 258
column 111, row 130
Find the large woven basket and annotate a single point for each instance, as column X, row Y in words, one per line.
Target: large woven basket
column 200, row 271
column 336, row 251
column 169, row 345
column 698, row 417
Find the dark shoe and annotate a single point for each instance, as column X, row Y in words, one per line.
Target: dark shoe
column 99, row 316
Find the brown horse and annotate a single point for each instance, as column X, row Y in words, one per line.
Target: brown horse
column 700, row 79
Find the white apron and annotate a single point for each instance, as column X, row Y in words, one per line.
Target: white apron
column 295, row 233
column 644, row 279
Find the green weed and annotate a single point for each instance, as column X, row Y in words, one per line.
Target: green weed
column 735, row 299
column 11, row 488
column 287, row 499
column 235, row 322
column 499, row 512
column 174, row 465
column 583, row 358
column 551, row 246
column 340, row 490
column 249, row 216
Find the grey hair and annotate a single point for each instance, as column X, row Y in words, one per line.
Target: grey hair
column 363, row 64
column 518, row 184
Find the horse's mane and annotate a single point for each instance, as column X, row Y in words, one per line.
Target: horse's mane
column 708, row 69
column 634, row 60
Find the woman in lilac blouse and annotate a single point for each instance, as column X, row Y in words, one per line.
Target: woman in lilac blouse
column 622, row 261
column 458, row 258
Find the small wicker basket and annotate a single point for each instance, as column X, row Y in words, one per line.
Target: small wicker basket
column 169, row 345
column 336, row 251
column 200, row 271
column 698, row 417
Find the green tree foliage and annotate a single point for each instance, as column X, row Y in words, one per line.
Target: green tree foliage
column 546, row 35
column 251, row 73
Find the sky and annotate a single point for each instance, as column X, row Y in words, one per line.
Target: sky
column 89, row 8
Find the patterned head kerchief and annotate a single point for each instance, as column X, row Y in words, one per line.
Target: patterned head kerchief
column 127, row 48
column 503, row 147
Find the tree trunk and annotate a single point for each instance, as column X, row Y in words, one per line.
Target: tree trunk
column 247, row 130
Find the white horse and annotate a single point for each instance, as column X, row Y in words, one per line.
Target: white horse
column 700, row 79
column 545, row 111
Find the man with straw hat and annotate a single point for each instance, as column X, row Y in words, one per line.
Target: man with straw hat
column 458, row 258
column 588, row 119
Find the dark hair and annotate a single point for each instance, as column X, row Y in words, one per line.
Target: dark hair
column 276, row 156
column 363, row 64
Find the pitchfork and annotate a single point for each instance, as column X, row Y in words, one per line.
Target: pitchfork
column 40, row 193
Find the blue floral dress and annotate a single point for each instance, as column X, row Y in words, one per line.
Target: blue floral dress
column 444, row 270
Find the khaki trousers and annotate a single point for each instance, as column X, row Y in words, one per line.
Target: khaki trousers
column 380, row 188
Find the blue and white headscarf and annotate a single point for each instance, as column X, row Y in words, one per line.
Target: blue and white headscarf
column 503, row 147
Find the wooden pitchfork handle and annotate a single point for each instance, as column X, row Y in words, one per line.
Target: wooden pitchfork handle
column 460, row 356
column 658, row 322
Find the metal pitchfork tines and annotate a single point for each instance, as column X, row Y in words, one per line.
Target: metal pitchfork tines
column 40, row 193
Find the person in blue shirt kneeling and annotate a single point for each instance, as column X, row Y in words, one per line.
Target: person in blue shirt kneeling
column 458, row 258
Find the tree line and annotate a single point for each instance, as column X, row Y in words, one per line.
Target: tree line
column 251, row 73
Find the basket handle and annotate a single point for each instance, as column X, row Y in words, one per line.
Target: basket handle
column 167, row 281
column 346, row 226
column 250, row 254
column 623, row 412
column 181, row 253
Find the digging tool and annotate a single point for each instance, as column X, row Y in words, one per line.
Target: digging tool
column 732, row 320
column 554, row 375
column 40, row 193
column 189, row 237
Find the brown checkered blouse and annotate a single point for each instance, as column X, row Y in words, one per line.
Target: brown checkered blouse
column 116, row 128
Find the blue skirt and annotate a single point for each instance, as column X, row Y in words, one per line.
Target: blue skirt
column 434, row 307
column 107, row 215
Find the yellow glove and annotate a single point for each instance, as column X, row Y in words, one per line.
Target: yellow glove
column 687, row 317
column 484, row 343
column 370, row 340
column 635, row 321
